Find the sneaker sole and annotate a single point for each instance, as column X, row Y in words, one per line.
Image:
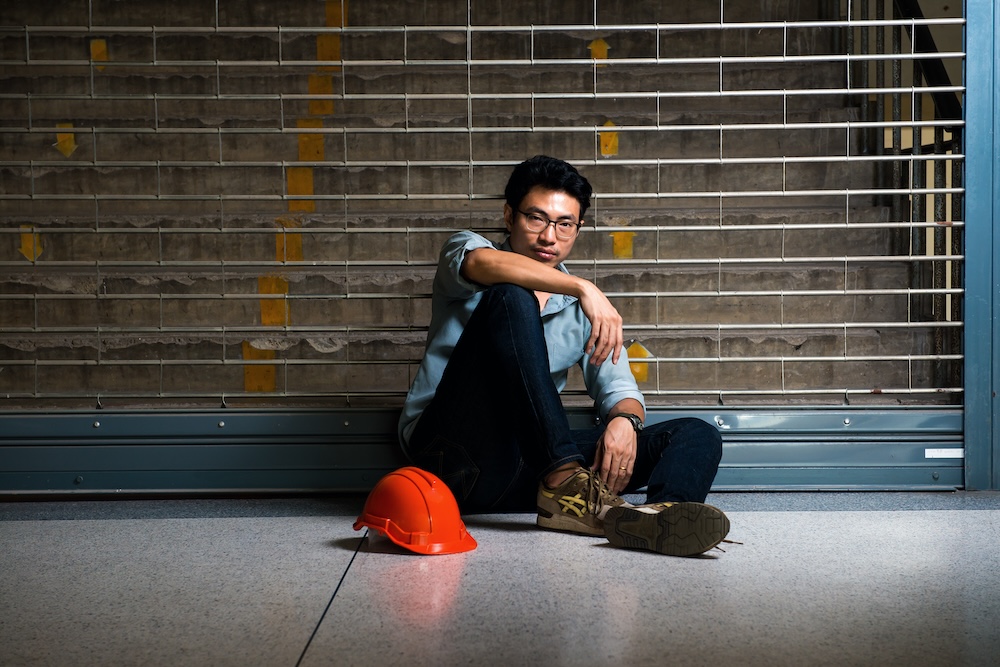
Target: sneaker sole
column 684, row 529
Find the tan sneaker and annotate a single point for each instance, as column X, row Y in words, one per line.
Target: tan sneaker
column 578, row 505
column 674, row 529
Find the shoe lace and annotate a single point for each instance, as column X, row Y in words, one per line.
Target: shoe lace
column 597, row 493
column 726, row 542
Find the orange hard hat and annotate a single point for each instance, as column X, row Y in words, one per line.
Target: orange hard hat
column 417, row 511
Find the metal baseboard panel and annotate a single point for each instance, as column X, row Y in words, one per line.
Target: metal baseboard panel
column 308, row 451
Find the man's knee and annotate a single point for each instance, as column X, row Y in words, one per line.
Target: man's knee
column 509, row 291
column 694, row 433
column 708, row 436
column 517, row 301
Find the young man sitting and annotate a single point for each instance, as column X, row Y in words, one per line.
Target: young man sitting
column 484, row 413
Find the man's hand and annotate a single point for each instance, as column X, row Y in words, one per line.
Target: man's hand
column 606, row 335
column 615, row 459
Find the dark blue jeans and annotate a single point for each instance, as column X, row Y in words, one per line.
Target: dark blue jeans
column 496, row 425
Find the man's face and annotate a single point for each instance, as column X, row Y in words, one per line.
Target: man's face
column 544, row 246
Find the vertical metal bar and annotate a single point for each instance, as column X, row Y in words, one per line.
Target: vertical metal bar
column 957, row 232
column 831, row 10
column 880, row 172
column 918, row 201
column 939, row 235
column 897, row 131
column 957, row 244
column 982, row 248
column 918, row 176
column 863, row 69
column 938, row 266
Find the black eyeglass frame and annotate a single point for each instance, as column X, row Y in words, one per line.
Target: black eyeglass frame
column 529, row 217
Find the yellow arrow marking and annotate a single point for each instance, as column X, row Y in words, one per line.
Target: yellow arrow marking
column 258, row 377
column 621, row 244
column 99, row 52
column 640, row 370
column 609, row 141
column 598, row 50
column 31, row 243
column 65, row 141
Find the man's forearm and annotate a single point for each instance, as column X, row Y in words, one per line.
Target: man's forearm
column 627, row 405
column 487, row 266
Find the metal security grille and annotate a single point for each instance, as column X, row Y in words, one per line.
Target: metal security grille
column 224, row 202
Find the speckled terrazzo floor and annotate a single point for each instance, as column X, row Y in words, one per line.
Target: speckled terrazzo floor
column 820, row 579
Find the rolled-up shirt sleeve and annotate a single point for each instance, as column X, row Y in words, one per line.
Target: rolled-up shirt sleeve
column 448, row 281
column 610, row 383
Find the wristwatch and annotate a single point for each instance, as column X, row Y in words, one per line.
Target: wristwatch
column 633, row 419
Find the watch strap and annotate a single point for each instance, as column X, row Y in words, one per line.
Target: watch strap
column 633, row 419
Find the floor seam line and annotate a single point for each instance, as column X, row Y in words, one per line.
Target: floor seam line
column 330, row 602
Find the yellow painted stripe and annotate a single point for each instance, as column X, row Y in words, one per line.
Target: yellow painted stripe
column 311, row 146
column 288, row 244
column 289, row 247
column 258, row 377
column 336, row 13
column 609, row 141
column 300, row 183
column 65, row 141
column 621, row 244
column 273, row 311
column 99, row 52
column 328, row 48
column 320, row 85
column 640, row 370
column 31, row 243
column 328, row 45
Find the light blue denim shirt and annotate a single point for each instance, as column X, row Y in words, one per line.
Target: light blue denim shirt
column 566, row 332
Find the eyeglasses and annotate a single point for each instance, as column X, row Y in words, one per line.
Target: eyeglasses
column 565, row 229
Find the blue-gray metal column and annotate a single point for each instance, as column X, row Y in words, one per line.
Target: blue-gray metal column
column 982, row 247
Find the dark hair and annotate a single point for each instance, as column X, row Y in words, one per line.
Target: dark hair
column 551, row 174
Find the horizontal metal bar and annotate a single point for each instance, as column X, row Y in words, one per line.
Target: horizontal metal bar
column 872, row 421
column 453, row 164
column 721, row 394
column 292, row 361
column 291, row 296
column 473, row 28
column 631, row 263
column 532, row 62
column 713, row 394
column 484, row 129
column 723, row 194
column 319, row 230
column 706, row 328
column 589, row 95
